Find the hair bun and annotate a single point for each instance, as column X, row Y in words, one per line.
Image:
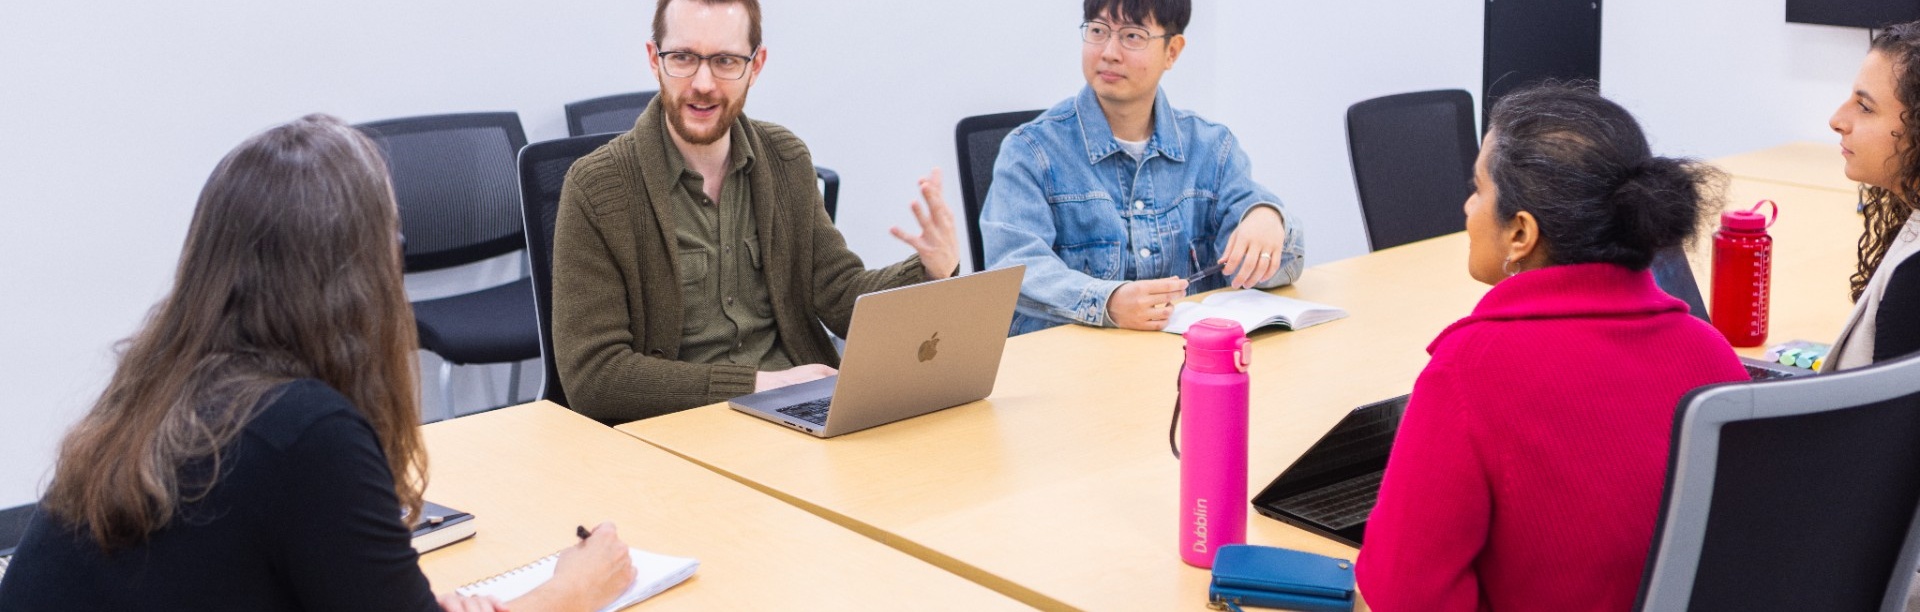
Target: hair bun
column 1581, row 165
column 1631, row 175
column 1661, row 201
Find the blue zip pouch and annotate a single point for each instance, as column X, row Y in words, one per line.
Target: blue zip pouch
column 1268, row 577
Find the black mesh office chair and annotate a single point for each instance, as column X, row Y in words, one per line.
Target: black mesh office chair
column 829, row 190
column 978, row 142
column 615, row 113
column 1412, row 163
column 543, row 171
column 1793, row 494
column 618, row 112
column 453, row 176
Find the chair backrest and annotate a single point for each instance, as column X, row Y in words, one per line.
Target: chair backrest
column 829, row 190
column 1793, row 494
column 1412, row 163
column 978, row 141
column 453, row 177
column 615, row 113
column 543, row 171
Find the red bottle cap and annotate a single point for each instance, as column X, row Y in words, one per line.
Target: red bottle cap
column 1750, row 220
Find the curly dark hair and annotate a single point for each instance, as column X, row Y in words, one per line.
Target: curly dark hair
column 1884, row 210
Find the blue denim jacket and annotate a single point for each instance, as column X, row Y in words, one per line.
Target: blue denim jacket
column 1085, row 217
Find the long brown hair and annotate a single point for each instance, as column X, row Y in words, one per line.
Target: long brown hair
column 291, row 269
column 1886, row 211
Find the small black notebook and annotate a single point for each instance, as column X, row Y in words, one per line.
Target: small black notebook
column 441, row 526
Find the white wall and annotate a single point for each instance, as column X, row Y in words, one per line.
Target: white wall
column 114, row 113
column 1709, row 78
column 1287, row 72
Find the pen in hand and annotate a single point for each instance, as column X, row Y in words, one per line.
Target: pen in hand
column 581, row 530
column 1205, row 272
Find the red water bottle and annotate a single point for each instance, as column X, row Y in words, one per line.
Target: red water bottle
column 1742, row 266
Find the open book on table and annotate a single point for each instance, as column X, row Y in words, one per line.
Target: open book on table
column 1252, row 309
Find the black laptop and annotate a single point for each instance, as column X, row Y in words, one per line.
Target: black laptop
column 1331, row 489
column 1675, row 276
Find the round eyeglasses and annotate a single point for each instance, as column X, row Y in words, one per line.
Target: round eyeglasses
column 1135, row 38
column 683, row 64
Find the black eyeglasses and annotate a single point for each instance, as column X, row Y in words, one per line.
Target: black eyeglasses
column 1135, row 38
column 683, row 64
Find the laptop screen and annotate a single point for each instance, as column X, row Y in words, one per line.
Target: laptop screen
column 1332, row 487
column 1675, row 276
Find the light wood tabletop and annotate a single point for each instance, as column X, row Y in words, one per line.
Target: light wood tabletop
column 1060, row 490
column 1807, row 164
column 531, row 473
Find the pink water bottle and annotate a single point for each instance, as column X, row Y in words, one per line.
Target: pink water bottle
column 1213, row 440
column 1742, row 266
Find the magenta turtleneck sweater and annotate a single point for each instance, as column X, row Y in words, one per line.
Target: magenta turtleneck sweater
column 1527, row 472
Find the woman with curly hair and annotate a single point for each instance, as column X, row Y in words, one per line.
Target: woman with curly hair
column 1879, row 127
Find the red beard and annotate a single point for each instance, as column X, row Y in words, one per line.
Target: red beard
column 728, row 113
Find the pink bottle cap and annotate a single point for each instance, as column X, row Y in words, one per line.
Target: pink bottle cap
column 1751, row 220
column 1217, row 346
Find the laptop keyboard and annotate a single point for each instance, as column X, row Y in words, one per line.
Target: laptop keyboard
column 814, row 412
column 1759, row 373
column 1342, row 505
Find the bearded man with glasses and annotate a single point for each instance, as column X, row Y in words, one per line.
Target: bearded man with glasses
column 1120, row 204
column 693, row 258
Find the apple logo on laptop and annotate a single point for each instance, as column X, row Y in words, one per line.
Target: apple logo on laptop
column 930, row 348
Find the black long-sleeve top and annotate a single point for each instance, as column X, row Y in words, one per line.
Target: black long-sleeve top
column 303, row 517
column 1896, row 326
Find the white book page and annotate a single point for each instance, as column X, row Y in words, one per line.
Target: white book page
column 1251, row 308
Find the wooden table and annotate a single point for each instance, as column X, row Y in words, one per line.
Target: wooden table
column 1060, row 490
column 530, row 473
column 1806, row 164
column 1813, row 255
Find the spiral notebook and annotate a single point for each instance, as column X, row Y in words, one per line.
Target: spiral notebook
column 653, row 573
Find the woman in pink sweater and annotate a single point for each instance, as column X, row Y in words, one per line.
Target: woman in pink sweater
column 1528, row 470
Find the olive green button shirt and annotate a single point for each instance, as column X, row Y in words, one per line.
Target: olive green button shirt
column 728, row 313
column 618, row 311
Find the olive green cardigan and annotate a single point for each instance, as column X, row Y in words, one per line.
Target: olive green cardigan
column 617, row 309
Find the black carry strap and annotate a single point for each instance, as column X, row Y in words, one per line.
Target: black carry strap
column 1173, row 430
column 1222, row 603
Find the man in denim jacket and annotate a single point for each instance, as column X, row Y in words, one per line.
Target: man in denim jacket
column 1113, row 198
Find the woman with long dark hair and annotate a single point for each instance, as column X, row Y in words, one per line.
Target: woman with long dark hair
column 1879, row 127
column 1527, row 471
column 258, row 447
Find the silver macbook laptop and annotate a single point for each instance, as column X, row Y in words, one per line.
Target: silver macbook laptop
column 910, row 351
